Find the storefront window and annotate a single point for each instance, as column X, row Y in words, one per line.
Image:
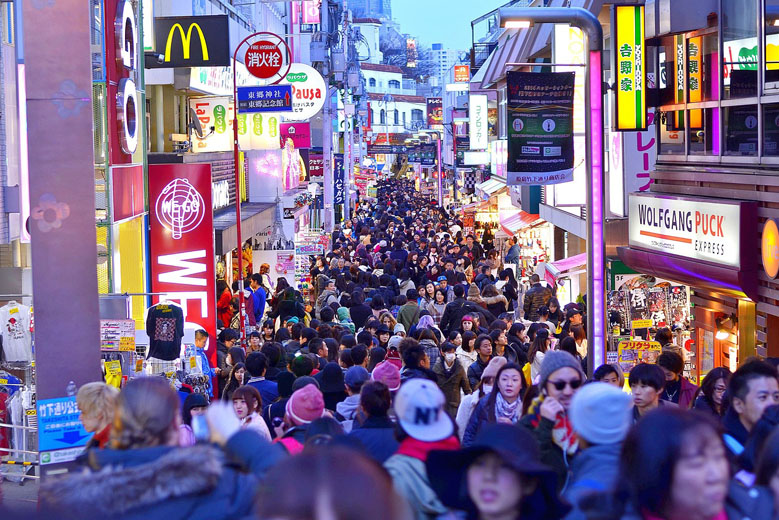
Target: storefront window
column 672, row 133
column 739, row 48
column 741, row 130
column 704, row 131
column 771, row 130
column 771, row 44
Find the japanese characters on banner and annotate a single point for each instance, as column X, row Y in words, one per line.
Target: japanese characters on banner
column 181, row 240
column 316, row 165
column 632, row 157
column 693, row 229
column 478, row 121
column 631, row 70
column 259, row 131
column 308, row 92
column 274, row 98
column 435, row 112
column 339, row 189
column 299, row 133
column 213, row 112
column 462, row 73
column 695, row 79
column 540, row 122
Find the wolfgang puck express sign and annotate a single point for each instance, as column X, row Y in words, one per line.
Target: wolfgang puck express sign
column 691, row 228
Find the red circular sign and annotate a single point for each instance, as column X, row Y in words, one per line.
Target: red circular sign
column 264, row 59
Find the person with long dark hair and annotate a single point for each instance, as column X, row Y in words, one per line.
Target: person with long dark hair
column 503, row 404
column 537, row 351
column 710, row 396
column 235, row 380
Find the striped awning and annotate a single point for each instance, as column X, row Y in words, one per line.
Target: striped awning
column 518, row 221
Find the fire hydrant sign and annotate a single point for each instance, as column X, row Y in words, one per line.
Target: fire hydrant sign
column 264, row 59
column 275, row 98
column 59, row 426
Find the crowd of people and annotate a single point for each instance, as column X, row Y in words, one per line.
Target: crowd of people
column 424, row 382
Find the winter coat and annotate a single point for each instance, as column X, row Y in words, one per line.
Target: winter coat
column 456, row 309
column 536, row 297
column 377, row 435
column 417, row 373
column 409, row 476
column 360, row 314
column 436, row 310
column 497, row 305
column 452, row 385
column 466, row 359
column 479, row 418
column 403, row 287
column 475, row 371
column 324, row 300
column 287, row 309
column 465, row 411
column 164, row 482
column 221, row 363
column 431, row 349
column 551, row 454
column 408, row 315
column 686, row 394
column 594, row 470
column 347, row 411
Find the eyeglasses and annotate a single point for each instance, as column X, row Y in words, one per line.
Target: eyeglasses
column 560, row 385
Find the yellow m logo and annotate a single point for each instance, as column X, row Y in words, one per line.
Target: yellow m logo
column 185, row 41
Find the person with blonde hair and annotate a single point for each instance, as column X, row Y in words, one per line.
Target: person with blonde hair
column 97, row 402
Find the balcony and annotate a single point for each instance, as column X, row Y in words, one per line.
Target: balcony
column 479, row 54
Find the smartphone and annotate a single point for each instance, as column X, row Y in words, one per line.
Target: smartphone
column 200, row 428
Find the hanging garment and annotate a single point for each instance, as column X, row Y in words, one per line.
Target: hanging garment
column 17, row 339
column 165, row 327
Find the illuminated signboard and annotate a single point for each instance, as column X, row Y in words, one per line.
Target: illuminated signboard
column 630, row 67
column 477, row 116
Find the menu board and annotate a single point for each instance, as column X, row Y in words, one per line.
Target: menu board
column 117, row 335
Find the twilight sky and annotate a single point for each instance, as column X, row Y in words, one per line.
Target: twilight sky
column 441, row 21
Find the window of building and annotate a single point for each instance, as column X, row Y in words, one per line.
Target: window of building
column 416, row 115
column 382, row 117
column 393, row 83
column 372, row 82
column 404, row 119
column 397, row 117
column 739, row 49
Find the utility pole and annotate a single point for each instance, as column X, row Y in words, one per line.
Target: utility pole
column 327, row 126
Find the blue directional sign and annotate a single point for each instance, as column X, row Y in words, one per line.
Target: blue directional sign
column 273, row 98
column 59, row 426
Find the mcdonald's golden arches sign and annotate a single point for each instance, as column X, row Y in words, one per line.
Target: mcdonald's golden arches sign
column 191, row 41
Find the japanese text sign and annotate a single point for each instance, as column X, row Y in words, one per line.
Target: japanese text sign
column 275, row 98
column 630, row 67
column 59, row 426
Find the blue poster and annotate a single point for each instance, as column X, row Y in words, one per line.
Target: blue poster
column 339, row 192
column 59, row 426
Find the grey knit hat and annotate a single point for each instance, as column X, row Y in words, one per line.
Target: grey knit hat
column 555, row 360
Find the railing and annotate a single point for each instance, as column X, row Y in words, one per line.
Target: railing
column 480, row 53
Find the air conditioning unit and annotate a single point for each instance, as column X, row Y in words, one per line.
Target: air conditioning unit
column 318, row 52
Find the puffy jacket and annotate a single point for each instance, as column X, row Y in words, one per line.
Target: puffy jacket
column 536, row 297
column 594, row 470
column 478, row 419
column 324, row 300
column 164, row 482
column 377, row 435
column 475, row 371
column 497, row 305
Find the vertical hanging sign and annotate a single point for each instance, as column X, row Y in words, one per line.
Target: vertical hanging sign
column 339, row 195
column 630, row 67
column 679, row 77
column 695, row 78
column 477, row 121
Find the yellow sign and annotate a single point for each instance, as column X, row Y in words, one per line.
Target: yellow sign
column 185, row 40
column 770, row 248
column 113, row 373
column 695, row 78
column 139, row 366
column 126, row 344
column 641, row 324
column 630, row 353
column 630, row 67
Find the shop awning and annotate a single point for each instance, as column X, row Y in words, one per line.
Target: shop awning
column 255, row 218
column 489, row 188
column 566, row 267
column 475, row 206
column 518, row 221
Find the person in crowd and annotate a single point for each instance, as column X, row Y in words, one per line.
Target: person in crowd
column 748, row 460
column 377, row 431
column 484, row 348
column 236, row 379
column 678, row 388
column 752, row 388
column 513, row 254
column 429, row 341
column 467, row 352
column 601, row 416
column 223, row 298
column 247, row 404
column 674, row 465
column 500, row 476
column 194, row 405
column 496, row 303
column 451, row 378
column 416, row 364
column 580, row 337
column 767, row 470
column 225, row 341
column 536, row 297
column 288, row 307
column 311, row 486
column 647, row 382
column 287, row 383
column 201, row 342
column 268, row 331
column 503, row 404
column 257, row 366
column 332, row 385
column 96, row 401
column 710, row 396
column 423, row 426
column 537, row 352
column 167, row 481
column 573, row 317
column 609, row 374
column 408, row 315
column 304, row 407
column 327, row 297
column 259, row 295
column 348, row 411
column 547, row 417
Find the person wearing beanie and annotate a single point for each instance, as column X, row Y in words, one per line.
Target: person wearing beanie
column 304, row 407
column 387, row 373
column 483, row 388
column 560, row 376
column 601, row 416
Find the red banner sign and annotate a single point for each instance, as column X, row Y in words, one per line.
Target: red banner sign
column 316, row 165
column 182, row 243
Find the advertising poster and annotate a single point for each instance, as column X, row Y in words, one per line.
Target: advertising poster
column 316, row 165
column 293, row 168
column 215, row 117
column 299, row 133
column 540, row 122
column 632, row 352
column 427, row 154
column 339, row 196
column 462, row 73
column 631, row 72
column 435, row 112
column 259, row 131
column 477, row 122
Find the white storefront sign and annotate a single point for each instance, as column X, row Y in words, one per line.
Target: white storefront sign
column 477, row 116
column 694, row 229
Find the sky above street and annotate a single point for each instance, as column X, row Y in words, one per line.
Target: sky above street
column 441, row 21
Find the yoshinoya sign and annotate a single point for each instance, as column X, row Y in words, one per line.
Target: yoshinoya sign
column 540, row 123
column 191, row 41
column 709, row 230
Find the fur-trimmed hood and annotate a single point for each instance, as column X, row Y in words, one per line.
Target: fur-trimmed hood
column 490, row 300
column 114, row 488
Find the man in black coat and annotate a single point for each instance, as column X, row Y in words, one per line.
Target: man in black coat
column 459, row 307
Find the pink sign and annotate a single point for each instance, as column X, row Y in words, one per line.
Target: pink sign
column 300, row 133
column 311, row 11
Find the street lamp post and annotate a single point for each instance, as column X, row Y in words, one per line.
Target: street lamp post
column 387, row 99
column 524, row 17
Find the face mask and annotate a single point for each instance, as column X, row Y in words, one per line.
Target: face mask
column 487, row 388
column 449, row 356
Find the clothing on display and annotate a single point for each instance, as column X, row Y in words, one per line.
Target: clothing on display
column 16, row 335
column 165, row 327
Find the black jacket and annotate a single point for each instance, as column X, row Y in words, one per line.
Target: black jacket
column 475, row 371
column 360, row 314
column 377, row 434
column 287, row 309
column 459, row 307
